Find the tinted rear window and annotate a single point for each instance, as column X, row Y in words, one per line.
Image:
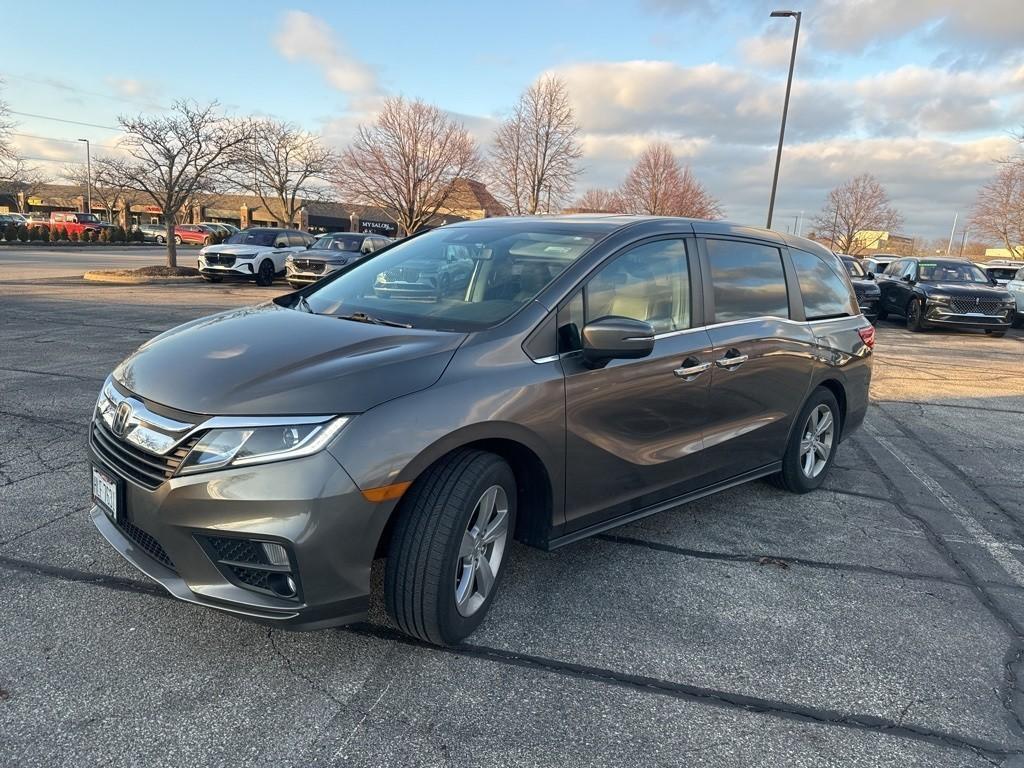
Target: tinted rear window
column 824, row 292
column 748, row 280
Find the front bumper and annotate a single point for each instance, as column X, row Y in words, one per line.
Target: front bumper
column 302, row 277
column 310, row 505
column 237, row 270
column 939, row 315
column 869, row 306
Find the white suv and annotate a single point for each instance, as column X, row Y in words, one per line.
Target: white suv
column 257, row 253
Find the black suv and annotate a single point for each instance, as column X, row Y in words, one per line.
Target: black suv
column 944, row 292
column 586, row 372
column 864, row 285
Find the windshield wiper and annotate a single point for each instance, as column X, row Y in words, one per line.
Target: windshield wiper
column 304, row 305
column 362, row 317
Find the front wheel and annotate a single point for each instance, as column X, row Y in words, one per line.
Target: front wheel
column 265, row 274
column 177, row 240
column 160, row 239
column 915, row 316
column 812, row 444
column 450, row 542
column 883, row 313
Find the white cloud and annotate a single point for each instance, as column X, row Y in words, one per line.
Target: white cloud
column 304, row 37
column 130, row 88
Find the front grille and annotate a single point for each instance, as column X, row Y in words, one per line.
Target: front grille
column 148, row 543
column 309, row 265
column 252, row 577
column 137, row 465
column 403, row 275
column 984, row 306
column 237, row 550
column 223, row 260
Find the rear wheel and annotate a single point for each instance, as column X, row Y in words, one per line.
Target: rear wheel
column 812, row 445
column 915, row 316
column 160, row 239
column 450, row 542
column 265, row 274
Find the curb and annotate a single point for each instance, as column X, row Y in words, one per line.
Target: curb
column 106, row 277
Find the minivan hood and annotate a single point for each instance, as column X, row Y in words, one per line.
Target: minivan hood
column 269, row 360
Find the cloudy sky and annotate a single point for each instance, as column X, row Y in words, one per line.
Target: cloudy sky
column 922, row 93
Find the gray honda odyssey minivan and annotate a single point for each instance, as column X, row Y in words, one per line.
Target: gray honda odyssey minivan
column 547, row 379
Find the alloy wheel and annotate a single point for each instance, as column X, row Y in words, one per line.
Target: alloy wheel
column 816, row 442
column 481, row 551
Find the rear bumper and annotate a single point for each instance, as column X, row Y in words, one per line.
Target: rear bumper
column 309, row 505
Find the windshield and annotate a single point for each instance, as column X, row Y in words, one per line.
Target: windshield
column 854, row 268
column 1002, row 273
column 339, row 243
column 92, row 218
column 950, row 272
column 455, row 278
column 253, row 237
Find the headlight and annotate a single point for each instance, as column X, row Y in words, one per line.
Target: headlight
column 236, row 446
column 938, row 298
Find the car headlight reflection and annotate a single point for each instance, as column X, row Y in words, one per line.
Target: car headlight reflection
column 244, row 445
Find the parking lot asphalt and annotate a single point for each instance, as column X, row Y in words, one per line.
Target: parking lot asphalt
column 49, row 261
column 876, row 622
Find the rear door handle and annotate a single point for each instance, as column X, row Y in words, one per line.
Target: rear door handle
column 691, row 369
column 731, row 361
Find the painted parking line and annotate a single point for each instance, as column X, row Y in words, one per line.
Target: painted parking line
column 978, row 534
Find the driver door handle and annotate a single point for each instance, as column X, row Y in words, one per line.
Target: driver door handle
column 691, row 369
column 731, row 361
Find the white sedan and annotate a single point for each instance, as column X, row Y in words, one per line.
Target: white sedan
column 257, row 253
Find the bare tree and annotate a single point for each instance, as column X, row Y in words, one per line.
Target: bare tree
column 857, row 215
column 999, row 208
column 598, row 200
column 658, row 186
column 21, row 180
column 407, row 161
column 8, row 157
column 284, row 167
column 115, row 186
column 174, row 156
column 535, row 154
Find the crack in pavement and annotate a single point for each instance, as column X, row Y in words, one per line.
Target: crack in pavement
column 800, row 562
column 641, row 683
column 1010, row 697
column 7, row 369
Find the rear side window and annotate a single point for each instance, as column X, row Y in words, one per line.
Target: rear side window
column 824, row 292
column 748, row 280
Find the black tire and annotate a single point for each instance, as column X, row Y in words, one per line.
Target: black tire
column 1018, row 320
column 996, row 334
column 265, row 273
column 209, row 279
column 915, row 316
column 883, row 314
column 423, row 556
column 177, row 240
column 160, row 240
column 792, row 477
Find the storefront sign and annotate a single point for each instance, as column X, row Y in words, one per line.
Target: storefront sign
column 387, row 228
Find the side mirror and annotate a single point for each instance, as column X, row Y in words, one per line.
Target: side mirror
column 908, row 279
column 870, row 275
column 616, row 338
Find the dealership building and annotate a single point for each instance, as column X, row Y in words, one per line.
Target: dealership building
column 470, row 200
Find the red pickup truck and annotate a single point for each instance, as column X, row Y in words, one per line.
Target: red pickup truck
column 74, row 222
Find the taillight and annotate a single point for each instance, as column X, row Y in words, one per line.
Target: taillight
column 867, row 335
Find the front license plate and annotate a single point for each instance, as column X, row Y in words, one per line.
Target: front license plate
column 105, row 493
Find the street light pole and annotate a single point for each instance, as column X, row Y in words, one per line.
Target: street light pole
column 88, row 176
column 785, row 106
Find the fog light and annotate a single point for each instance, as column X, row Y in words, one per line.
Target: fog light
column 276, row 554
column 281, row 585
